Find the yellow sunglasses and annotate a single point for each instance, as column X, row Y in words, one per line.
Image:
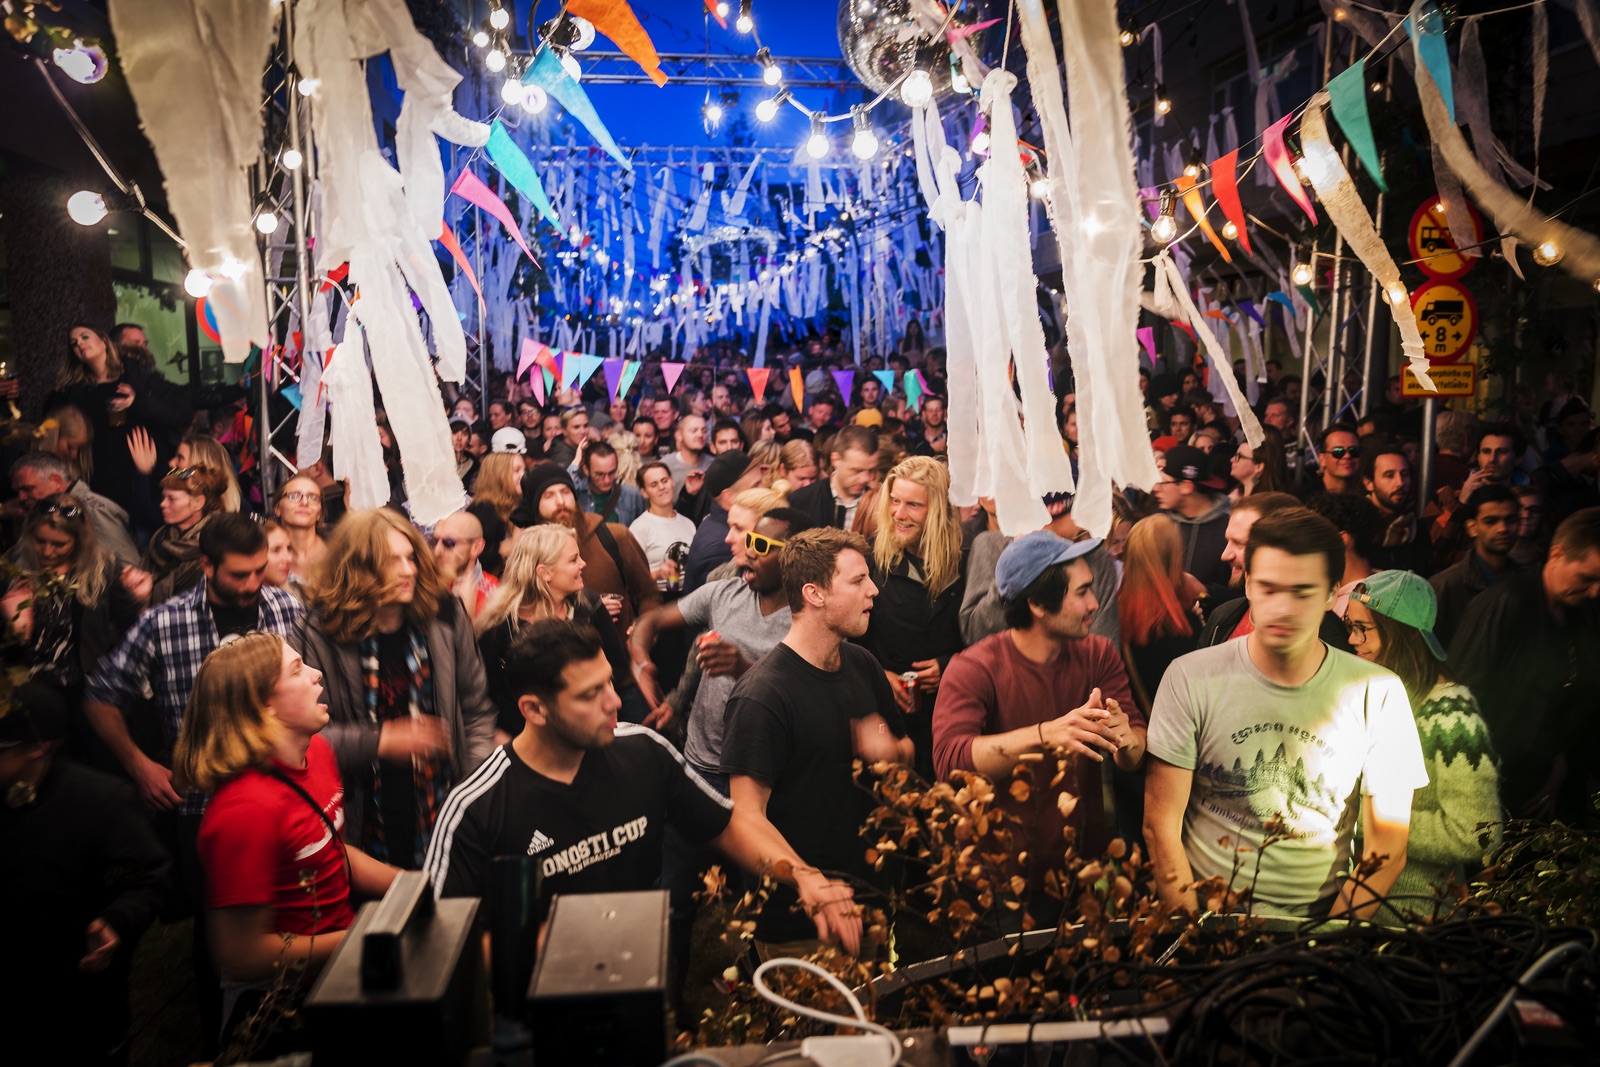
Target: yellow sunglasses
column 761, row 544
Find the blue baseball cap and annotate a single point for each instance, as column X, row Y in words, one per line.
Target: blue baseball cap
column 1031, row 555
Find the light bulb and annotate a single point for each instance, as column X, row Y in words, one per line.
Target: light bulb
column 959, row 83
column 499, row 18
column 817, row 145
column 1301, row 275
column 1230, row 232
column 1439, row 207
column 534, row 99
column 481, row 39
column 1377, row 87
column 82, row 63
column 511, row 92
column 1191, row 170
column 1163, row 101
column 573, row 68
column 712, row 112
column 309, row 86
column 1127, row 37
column 767, row 110
column 773, row 74
column 744, row 24
column 1165, row 228
column 232, row 269
column 980, row 143
column 267, row 221
column 1548, row 254
column 585, row 30
column 291, row 159
column 495, row 60
column 197, row 283
column 1597, row 285
column 917, row 89
column 722, row 9
column 1040, row 188
column 86, row 208
column 864, row 144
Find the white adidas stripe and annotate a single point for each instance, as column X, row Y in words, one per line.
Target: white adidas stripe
column 628, row 729
column 480, row 781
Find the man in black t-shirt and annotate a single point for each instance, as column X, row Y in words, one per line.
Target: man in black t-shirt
column 799, row 717
column 590, row 798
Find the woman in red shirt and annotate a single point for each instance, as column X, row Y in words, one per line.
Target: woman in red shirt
column 279, row 876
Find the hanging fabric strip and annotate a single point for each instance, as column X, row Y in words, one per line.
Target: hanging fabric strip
column 1221, row 366
column 1343, row 204
column 1277, row 157
column 735, row 207
column 1461, row 223
column 1225, row 186
column 1472, row 103
column 1348, row 92
column 1197, row 210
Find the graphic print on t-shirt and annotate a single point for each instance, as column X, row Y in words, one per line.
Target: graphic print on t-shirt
column 334, row 809
column 1271, row 787
column 588, row 851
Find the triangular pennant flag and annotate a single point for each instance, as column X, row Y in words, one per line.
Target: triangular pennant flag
column 547, row 72
column 671, row 371
column 538, row 383
column 1310, row 298
column 630, row 371
column 510, row 161
column 549, row 379
column 1348, row 94
column 1216, row 313
column 1281, row 297
column 448, row 239
column 797, row 386
column 1277, row 157
column 528, row 356
column 1249, row 308
column 1197, row 209
column 613, row 371
column 571, row 364
column 616, row 20
column 844, row 379
column 1186, row 328
column 587, row 365
column 711, row 9
column 758, row 382
column 1147, row 338
column 469, row 188
column 913, row 391
column 1225, row 187
column 887, row 378
column 923, row 382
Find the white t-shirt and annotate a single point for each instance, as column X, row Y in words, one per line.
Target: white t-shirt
column 1259, row 749
column 655, row 535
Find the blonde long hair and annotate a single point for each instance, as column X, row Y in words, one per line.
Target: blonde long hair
column 207, row 451
column 496, row 486
column 73, row 372
column 348, row 587
column 941, row 533
column 91, row 569
column 520, row 581
column 226, row 726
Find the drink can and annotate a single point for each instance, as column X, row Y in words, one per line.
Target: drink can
column 909, row 679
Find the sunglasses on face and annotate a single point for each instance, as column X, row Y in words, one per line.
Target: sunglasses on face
column 449, row 544
column 1341, row 451
column 761, row 544
column 70, row 512
column 185, row 474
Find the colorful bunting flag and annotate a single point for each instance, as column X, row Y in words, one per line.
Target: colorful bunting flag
column 1425, row 25
column 517, row 169
column 1225, row 187
column 469, row 188
column 1277, row 157
column 886, row 378
column 758, row 381
column 453, row 245
column 538, row 383
column 1348, row 94
column 797, row 386
column 616, row 20
column 1147, row 338
column 547, row 72
column 1197, row 210
column 587, row 365
column 671, row 371
column 630, row 371
column 913, row 391
column 844, row 379
column 613, row 372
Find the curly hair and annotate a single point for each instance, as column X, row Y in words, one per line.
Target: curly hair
column 350, row 585
column 198, row 481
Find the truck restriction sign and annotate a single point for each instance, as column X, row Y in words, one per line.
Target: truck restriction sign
column 1447, row 318
column 1433, row 245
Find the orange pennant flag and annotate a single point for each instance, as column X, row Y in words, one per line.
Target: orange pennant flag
column 448, row 239
column 616, row 20
column 1192, row 201
column 797, row 386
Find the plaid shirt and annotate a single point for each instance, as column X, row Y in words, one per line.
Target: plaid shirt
column 163, row 653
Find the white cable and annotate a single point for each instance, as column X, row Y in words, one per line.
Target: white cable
column 1500, row 1009
column 860, row 1022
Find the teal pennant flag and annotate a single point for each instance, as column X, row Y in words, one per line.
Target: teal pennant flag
column 547, row 72
column 517, row 169
column 1348, row 92
column 1426, row 28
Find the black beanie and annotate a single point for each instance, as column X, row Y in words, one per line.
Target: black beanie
column 538, row 478
column 726, row 469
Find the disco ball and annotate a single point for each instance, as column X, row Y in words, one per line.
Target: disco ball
column 882, row 42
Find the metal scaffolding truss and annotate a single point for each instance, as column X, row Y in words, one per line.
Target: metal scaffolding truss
column 691, row 68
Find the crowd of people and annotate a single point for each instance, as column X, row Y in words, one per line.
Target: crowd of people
column 660, row 629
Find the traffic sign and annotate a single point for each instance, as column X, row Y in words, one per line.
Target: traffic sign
column 1432, row 244
column 1447, row 318
column 1451, row 379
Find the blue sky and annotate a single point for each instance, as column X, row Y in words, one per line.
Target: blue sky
column 645, row 114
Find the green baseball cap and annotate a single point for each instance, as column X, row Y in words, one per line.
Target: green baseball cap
column 1406, row 598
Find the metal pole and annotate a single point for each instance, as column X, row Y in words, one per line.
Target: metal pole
column 1330, row 365
column 483, row 321
column 1425, row 475
column 1368, row 357
column 297, row 180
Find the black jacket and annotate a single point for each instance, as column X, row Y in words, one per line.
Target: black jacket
column 816, row 500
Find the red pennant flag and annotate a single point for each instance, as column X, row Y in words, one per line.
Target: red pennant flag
column 1225, row 186
column 1186, row 328
column 758, row 381
column 1197, row 208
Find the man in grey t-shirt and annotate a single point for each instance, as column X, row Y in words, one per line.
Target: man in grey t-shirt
column 1279, row 736
column 743, row 619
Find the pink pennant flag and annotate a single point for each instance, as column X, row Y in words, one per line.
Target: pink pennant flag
column 844, row 379
column 1147, row 337
column 537, row 381
column 473, row 191
column 758, row 381
column 967, row 31
column 613, row 372
column 670, row 371
column 1278, row 159
column 529, row 356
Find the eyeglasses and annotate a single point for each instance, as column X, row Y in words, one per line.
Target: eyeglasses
column 447, row 543
column 1341, row 451
column 761, row 544
column 301, row 498
column 70, row 512
column 1358, row 630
